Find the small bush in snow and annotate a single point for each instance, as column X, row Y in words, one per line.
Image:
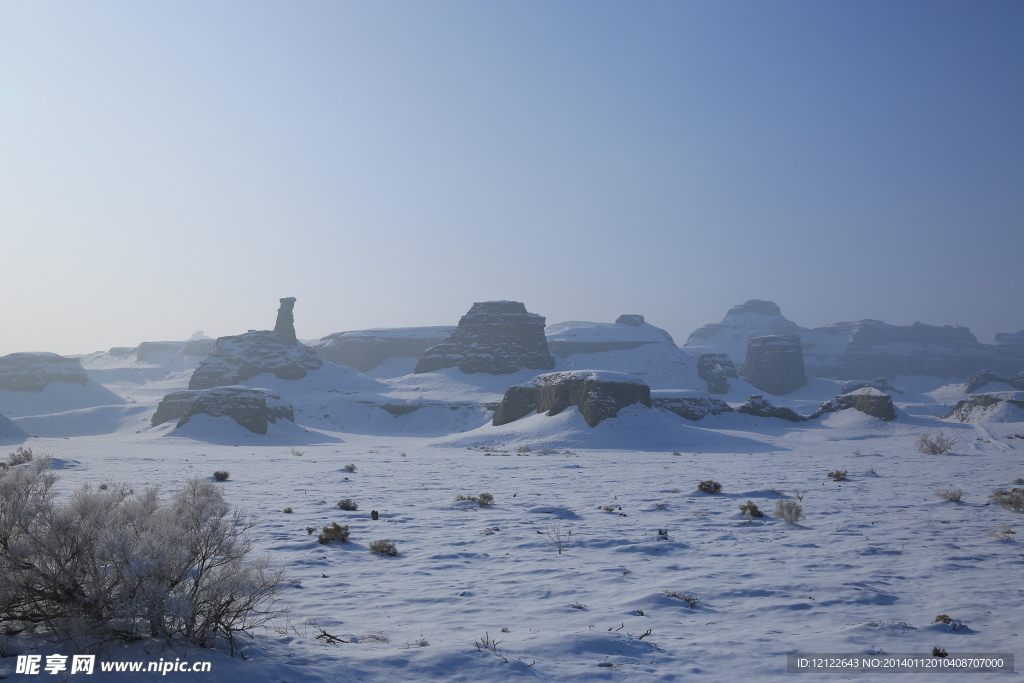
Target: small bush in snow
column 334, row 532
column 939, row 652
column 799, row 495
column 838, row 475
column 1005, row 532
column 523, row 449
column 952, row 495
column 484, row 499
column 221, row 475
column 789, row 511
column 935, row 443
column 1010, row 500
column 383, row 547
column 20, row 456
column 287, row 511
column 297, row 452
column 350, row 467
column 710, row 486
column 348, row 504
column 750, row 510
column 943, row 618
column 691, row 599
column 578, row 605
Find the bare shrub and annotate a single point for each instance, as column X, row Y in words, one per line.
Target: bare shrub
column 935, row 443
column 952, row 495
column 750, row 510
column 296, row 452
column 119, row 565
column 777, row 491
column 383, row 547
column 710, row 486
column 488, row 643
column 334, row 532
column 348, row 504
column 20, row 456
column 484, row 499
column 350, row 467
column 556, row 538
column 691, row 599
column 1009, row 500
column 943, row 618
column 789, row 511
column 939, row 652
column 1005, row 532
column 578, row 605
column 660, row 506
column 288, row 511
column 799, row 495
column 838, row 475
column 221, row 475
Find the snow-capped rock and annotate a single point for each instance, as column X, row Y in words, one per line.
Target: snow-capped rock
column 869, row 401
column 33, row 371
column 367, row 349
column 775, row 363
column 598, row 394
column 250, row 408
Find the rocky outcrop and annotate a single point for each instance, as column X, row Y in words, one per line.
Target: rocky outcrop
column 367, row 349
column 880, row 383
column 631, row 319
column 172, row 406
column 716, row 369
column 11, row 431
column 199, row 346
column 755, row 318
column 240, row 357
column 869, row 401
column 253, row 409
column 775, row 364
column 147, row 350
column 598, row 394
column 496, row 337
column 984, row 377
column 33, row 371
column 1009, row 352
column 980, row 406
column 692, row 408
column 758, row 406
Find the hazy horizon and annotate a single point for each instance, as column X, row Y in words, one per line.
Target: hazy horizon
column 178, row 167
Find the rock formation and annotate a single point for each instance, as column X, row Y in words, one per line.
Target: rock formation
column 496, row 337
column 631, row 319
column 775, row 364
column 1009, row 352
column 240, row 357
column 285, row 326
column 989, row 405
column 626, row 333
column 716, row 369
column 692, row 408
column 880, row 383
column 984, row 377
column 755, row 318
column 598, row 394
column 758, row 406
column 366, row 349
column 869, row 401
column 172, row 406
column 251, row 408
column 11, row 431
column 33, row 371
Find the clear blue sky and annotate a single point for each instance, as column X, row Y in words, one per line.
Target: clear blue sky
column 167, row 167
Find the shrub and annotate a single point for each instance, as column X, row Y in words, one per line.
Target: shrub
column 799, row 495
column 1005, row 532
column 944, row 618
column 120, row 565
column 20, row 456
column 952, row 495
column 578, row 605
column 334, row 532
column 838, row 475
column 287, row 511
column 350, row 467
column 383, row 547
column 297, row 452
column 484, row 499
column 939, row 652
column 221, row 475
column 690, row 599
column 749, row 509
column 1010, row 500
column 524, row 449
column 660, row 506
column 935, row 443
column 789, row 511
column 710, row 486
column 348, row 504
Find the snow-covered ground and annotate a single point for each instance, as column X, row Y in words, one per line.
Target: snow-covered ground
column 867, row 569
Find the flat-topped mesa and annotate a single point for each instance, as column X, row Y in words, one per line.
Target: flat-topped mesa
column 33, row 371
column 250, row 408
column 237, row 358
column 285, row 325
column 599, row 394
column 366, row 349
column 775, row 363
column 631, row 319
column 496, row 337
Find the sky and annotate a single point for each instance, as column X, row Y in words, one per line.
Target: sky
column 168, row 167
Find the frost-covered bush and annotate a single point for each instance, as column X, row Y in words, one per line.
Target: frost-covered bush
column 20, row 456
column 789, row 511
column 334, row 532
column 119, row 565
column 750, row 510
column 935, row 444
column 710, row 486
column 383, row 548
column 952, row 495
column 838, row 475
column 348, row 504
column 484, row 499
column 221, row 475
column 1010, row 500
column 350, row 467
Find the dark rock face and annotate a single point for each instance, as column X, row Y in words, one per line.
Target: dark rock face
column 869, row 401
column 775, row 364
column 366, row 349
column 758, row 406
column 692, row 408
column 172, row 406
column 251, row 408
column 978, row 405
column 631, row 319
column 147, row 350
column 496, row 337
column 199, row 348
column 33, row 371
column 598, row 394
column 236, row 359
column 716, row 369
column 1009, row 352
column 285, row 326
column 983, row 377
column 880, row 383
